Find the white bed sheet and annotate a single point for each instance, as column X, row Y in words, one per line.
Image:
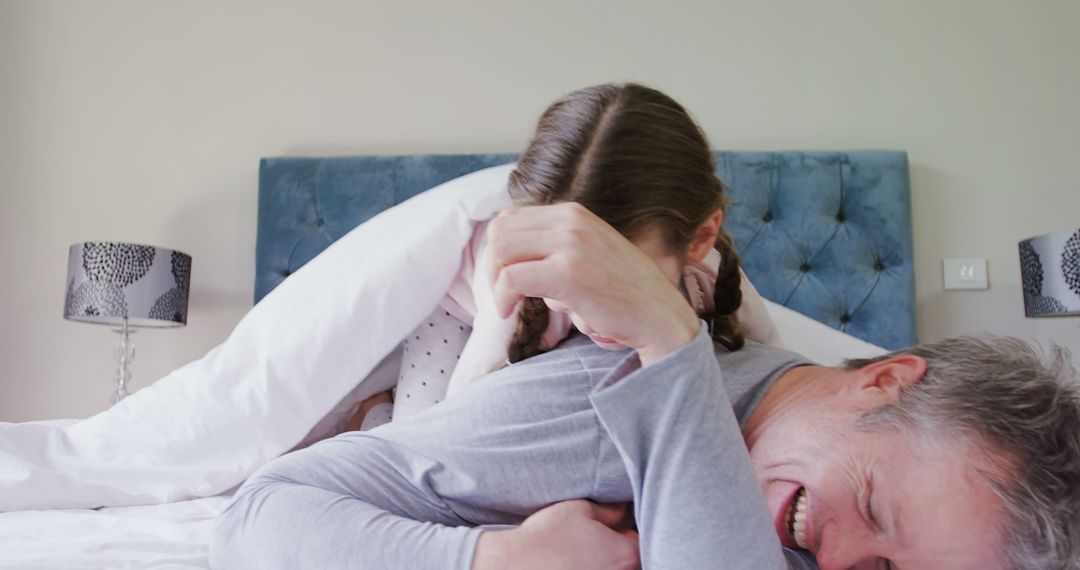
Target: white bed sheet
column 172, row 535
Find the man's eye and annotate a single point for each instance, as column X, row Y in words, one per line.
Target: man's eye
column 868, row 511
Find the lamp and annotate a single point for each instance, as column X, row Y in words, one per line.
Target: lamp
column 127, row 285
column 1050, row 271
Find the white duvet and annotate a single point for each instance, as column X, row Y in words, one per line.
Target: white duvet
column 304, row 348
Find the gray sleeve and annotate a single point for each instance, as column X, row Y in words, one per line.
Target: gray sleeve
column 339, row 504
column 514, row 444
column 509, row 446
column 697, row 500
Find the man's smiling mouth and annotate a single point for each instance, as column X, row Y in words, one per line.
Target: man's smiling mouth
column 795, row 517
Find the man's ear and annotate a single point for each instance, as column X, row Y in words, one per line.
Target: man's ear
column 705, row 237
column 888, row 376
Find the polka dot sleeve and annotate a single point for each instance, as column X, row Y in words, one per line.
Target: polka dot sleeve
column 430, row 354
column 378, row 415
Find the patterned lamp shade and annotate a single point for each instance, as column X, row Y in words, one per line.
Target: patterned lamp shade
column 1050, row 269
column 108, row 282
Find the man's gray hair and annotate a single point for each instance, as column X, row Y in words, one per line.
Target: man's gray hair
column 1024, row 408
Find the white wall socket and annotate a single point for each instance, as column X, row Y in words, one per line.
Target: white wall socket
column 965, row 273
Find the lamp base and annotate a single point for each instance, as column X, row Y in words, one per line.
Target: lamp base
column 124, row 354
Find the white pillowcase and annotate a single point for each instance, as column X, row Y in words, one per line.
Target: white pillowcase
column 816, row 341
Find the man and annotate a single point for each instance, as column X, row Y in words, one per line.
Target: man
column 963, row 454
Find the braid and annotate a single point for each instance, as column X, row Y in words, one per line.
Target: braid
column 532, row 322
column 727, row 297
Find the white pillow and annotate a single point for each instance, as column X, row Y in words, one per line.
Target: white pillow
column 816, row 341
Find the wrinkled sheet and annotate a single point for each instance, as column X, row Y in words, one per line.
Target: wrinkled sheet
column 173, row 535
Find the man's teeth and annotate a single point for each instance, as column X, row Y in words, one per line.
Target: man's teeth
column 796, row 518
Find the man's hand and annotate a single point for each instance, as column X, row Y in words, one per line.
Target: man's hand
column 564, row 252
column 571, row 535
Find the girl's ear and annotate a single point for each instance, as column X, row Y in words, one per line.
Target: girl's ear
column 705, row 237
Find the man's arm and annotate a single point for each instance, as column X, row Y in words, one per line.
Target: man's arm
column 697, row 499
column 342, row 503
column 503, row 450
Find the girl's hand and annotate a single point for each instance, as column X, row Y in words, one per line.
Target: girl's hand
column 565, row 252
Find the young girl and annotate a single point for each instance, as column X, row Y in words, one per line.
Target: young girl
column 635, row 158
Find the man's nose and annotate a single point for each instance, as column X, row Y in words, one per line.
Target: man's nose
column 847, row 549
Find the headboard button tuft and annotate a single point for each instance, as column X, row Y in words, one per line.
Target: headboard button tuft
column 845, row 318
column 805, row 267
column 768, row 217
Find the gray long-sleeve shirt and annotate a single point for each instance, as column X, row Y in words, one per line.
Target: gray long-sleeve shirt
column 577, row 422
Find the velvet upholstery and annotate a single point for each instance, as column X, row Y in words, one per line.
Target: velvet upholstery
column 825, row 233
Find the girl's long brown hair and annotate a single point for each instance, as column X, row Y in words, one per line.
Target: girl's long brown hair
column 635, row 158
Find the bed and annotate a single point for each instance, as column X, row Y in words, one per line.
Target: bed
column 821, row 234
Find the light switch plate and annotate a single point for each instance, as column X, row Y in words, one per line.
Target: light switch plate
column 965, row 273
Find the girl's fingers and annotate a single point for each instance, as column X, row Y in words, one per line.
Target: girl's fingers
column 553, row 216
column 626, row 554
column 523, row 218
column 610, row 514
column 510, row 247
column 533, row 233
column 524, row 279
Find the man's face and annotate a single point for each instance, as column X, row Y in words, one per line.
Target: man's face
column 875, row 500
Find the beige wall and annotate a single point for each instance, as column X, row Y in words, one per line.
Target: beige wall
column 144, row 121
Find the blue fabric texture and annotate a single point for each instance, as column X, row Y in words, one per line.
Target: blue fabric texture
column 825, row 233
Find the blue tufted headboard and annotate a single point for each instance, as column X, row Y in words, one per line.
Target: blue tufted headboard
column 825, row 233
